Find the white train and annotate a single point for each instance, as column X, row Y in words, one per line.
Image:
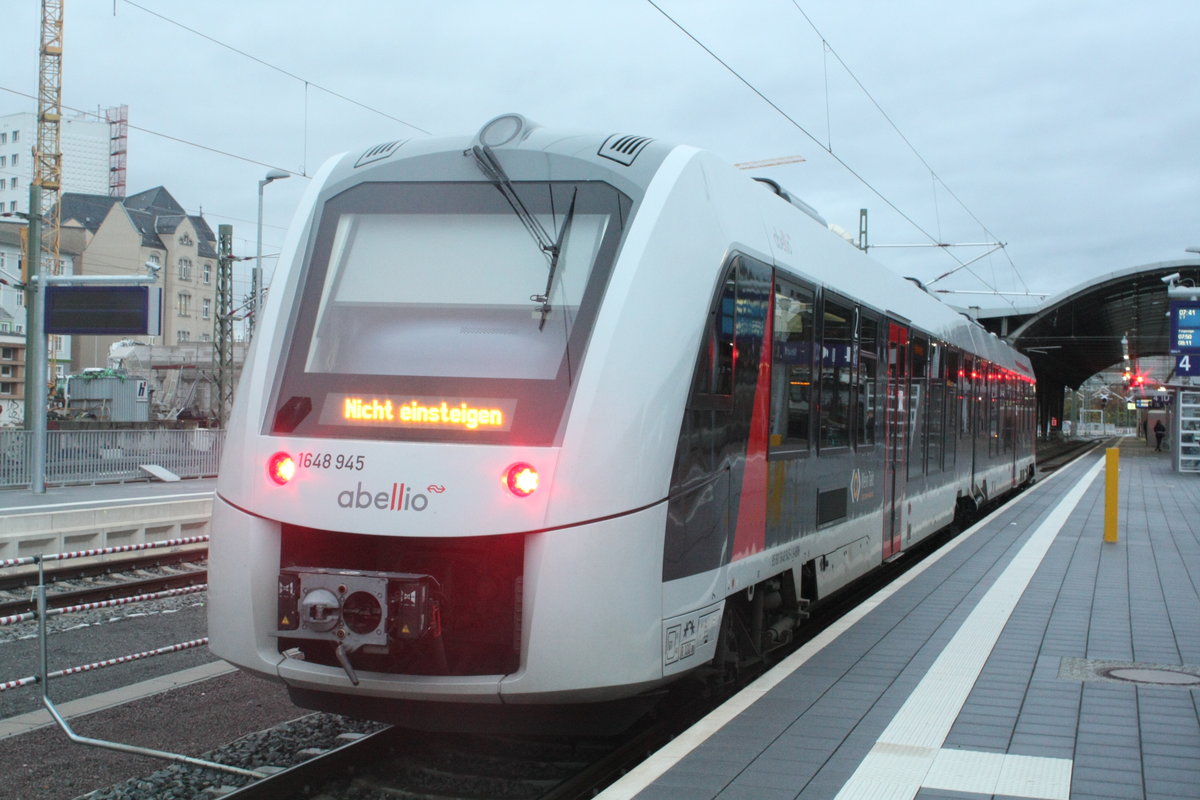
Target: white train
column 538, row 421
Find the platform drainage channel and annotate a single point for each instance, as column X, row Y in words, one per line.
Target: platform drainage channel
column 1184, row 676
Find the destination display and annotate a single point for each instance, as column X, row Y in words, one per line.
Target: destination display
column 457, row 413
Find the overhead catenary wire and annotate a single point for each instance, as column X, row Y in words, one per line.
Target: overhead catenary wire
column 169, row 137
column 828, row 150
column 933, row 173
column 276, row 68
column 178, row 140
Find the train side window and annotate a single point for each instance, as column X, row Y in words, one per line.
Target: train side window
column 988, row 416
column 837, row 341
column 965, row 396
column 953, row 404
column 996, row 375
column 917, row 401
column 868, row 375
column 980, row 400
column 1009, row 419
column 791, row 367
column 714, row 371
column 936, row 408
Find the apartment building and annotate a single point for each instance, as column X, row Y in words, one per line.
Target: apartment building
column 121, row 235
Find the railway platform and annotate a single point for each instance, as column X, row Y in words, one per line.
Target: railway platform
column 24, row 501
column 72, row 518
column 1028, row 658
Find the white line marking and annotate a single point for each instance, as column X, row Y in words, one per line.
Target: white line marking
column 905, row 752
column 671, row 754
column 1000, row 774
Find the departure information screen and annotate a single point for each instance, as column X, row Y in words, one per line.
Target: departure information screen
column 1185, row 327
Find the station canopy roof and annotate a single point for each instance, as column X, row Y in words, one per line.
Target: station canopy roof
column 1079, row 333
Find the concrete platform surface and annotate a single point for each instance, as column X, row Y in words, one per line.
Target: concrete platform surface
column 23, row 501
column 1028, row 658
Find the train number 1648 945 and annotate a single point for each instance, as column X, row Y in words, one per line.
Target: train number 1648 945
column 331, row 461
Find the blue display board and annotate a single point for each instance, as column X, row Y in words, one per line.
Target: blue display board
column 1185, row 327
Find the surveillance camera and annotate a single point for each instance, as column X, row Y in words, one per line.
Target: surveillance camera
column 1170, row 279
column 153, row 268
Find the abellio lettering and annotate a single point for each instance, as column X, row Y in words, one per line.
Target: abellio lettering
column 399, row 498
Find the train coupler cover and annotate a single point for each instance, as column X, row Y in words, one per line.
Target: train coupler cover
column 356, row 608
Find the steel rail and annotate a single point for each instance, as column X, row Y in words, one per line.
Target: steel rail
column 87, row 599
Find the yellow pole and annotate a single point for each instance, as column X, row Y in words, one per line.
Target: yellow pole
column 1112, row 470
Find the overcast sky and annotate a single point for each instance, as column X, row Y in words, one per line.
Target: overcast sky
column 1068, row 130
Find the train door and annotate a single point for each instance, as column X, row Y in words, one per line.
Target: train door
column 895, row 437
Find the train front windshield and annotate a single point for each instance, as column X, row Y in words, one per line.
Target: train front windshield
column 434, row 312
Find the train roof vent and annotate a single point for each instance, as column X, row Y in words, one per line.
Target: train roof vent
column 379, row 152
column 623, row 148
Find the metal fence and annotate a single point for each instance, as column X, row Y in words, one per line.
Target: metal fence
column 109, row 456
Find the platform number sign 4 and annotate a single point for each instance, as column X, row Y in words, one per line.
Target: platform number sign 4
column 1185, row 365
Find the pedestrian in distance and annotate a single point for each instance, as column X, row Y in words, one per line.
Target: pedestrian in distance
column 1160, row 431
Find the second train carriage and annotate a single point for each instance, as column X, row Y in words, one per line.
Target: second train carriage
column 537, row 419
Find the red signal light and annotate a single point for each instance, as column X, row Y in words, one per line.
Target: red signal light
column 281, row 468
column 521, row 479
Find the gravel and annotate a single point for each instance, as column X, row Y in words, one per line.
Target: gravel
column 280, row 746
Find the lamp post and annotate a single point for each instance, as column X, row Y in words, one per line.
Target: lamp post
column 256, row 275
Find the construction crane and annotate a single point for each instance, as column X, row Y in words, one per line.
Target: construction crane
column 47, row 152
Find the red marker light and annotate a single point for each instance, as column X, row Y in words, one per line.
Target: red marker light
column 521, row 479
column 281, row 468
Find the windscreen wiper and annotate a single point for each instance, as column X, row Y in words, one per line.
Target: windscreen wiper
column 544, row 298
column 490, row 167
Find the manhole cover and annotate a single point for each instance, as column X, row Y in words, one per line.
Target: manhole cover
column 1162, row 677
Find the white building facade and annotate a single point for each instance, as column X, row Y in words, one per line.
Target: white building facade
column 85, row 143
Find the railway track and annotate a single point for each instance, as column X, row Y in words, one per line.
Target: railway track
column 1064, row 452
column 111, row 580
column 411, row 765
column 401, row 764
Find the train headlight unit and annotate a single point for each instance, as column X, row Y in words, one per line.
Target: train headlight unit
column 281, row 468
column 521, row 479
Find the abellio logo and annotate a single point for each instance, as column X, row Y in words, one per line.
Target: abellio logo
column 399, row 498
